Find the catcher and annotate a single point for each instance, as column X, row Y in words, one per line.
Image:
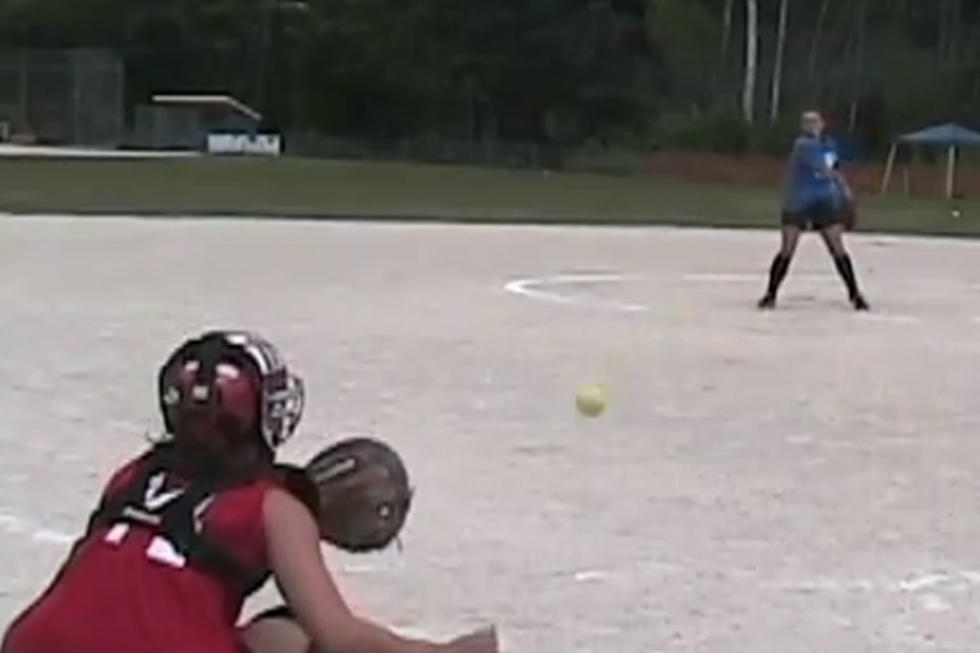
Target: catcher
column 817, row 197
column 184, row 533
column 359, row 493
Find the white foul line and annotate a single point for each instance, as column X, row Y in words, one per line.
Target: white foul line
column 11, row 524
column 913, row 584
column 893, row 318
column 533, row 288
column 724, row 277
column 14, row 525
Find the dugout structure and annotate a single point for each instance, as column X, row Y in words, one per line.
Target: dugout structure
column 63, row 97
column 950, row 137
column 183, row 121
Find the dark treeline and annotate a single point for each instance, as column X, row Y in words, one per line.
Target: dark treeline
column 721, row 74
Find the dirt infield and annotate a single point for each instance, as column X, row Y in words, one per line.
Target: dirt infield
column 803, row 480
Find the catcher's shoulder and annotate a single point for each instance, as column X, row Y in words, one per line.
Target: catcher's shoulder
column 280, row 507
column 297, row 482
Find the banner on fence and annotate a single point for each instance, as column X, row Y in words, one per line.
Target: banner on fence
column 229, row 143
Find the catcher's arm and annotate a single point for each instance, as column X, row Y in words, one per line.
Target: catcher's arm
column 297, row 482
column 313, row 596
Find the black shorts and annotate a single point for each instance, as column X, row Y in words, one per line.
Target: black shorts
column 816, row 216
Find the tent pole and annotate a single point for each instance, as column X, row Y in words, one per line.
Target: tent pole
column 889, row 166
column 950, row 172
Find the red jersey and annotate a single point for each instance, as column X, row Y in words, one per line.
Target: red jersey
column 128, row 589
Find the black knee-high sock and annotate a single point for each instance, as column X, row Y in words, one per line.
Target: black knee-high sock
column 777, row 272
column 846, row 271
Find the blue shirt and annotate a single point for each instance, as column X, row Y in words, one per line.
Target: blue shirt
column 810, row 180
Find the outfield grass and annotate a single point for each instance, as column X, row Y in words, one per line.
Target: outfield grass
column 333, row 189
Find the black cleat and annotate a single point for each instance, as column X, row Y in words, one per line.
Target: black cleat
column 767, row 303
column 860, row 303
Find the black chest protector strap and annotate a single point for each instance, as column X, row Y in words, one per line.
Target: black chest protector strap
column 179, row 522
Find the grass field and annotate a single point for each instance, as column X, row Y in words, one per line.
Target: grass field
column 314, row 188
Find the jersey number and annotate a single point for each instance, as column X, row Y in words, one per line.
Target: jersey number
column 155, row 499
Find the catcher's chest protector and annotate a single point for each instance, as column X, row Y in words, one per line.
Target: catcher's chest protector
column 175, row 514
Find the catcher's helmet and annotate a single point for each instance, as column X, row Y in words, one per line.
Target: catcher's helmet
column 230, row 383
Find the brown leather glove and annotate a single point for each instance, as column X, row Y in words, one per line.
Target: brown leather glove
column 358, row 491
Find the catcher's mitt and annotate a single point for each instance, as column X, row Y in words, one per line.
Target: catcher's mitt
column 359, row 491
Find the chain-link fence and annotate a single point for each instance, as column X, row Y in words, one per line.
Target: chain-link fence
column 62, row 96
column 429, row 150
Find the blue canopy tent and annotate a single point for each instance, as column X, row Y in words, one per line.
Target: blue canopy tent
column 949, row 136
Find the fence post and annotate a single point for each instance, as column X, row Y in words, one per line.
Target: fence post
column 76, row 100
column 23, row 93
